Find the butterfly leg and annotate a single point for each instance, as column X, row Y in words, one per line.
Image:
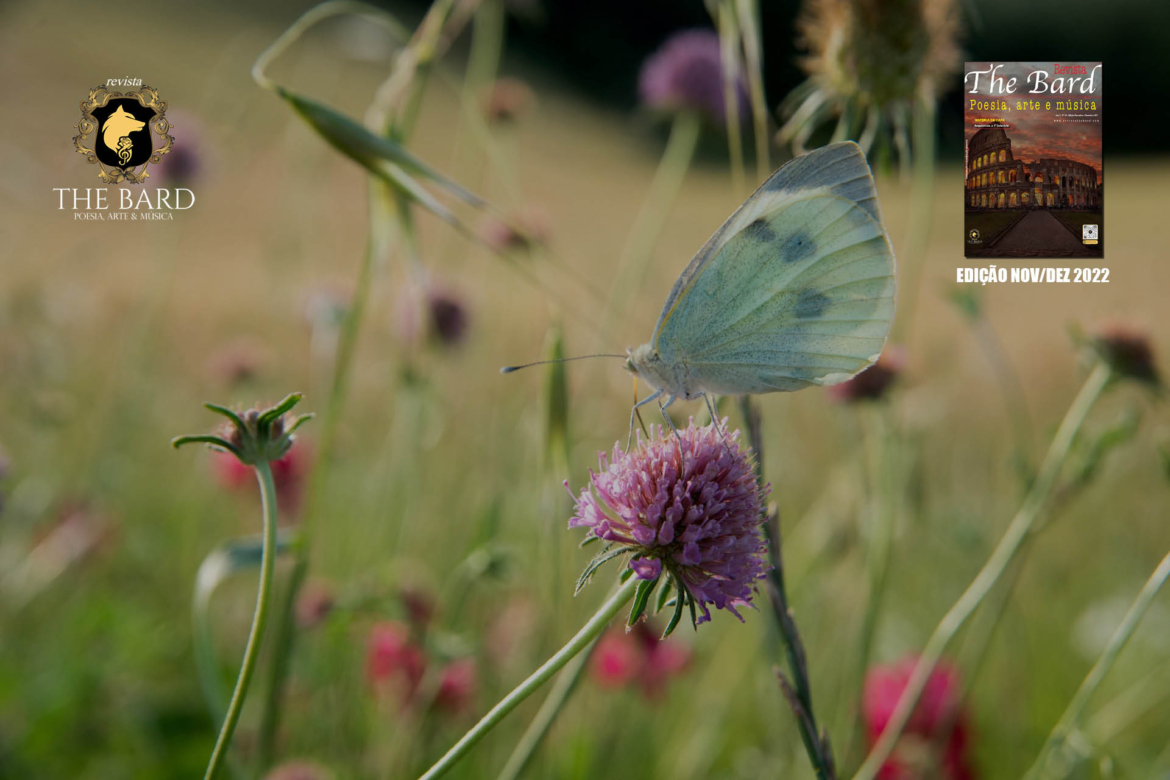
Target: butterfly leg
column 634, row 413
column 715, row 416
column 662, row 408
column 714, row 412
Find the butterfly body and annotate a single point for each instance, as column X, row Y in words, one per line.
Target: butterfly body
column 795, row 289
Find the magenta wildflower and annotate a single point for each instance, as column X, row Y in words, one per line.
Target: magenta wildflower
column 686, row 74
column 937, row 739
column 641, row 658
column 457, row 685
column 687, row 504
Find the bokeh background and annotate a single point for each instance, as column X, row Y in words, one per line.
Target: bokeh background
column 111, row 334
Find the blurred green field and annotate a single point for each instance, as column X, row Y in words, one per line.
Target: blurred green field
column 106, row 335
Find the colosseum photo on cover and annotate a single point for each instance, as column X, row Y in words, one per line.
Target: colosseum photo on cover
column 1034, row 183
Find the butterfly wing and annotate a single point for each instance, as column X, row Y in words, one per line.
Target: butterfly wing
column 796, row 288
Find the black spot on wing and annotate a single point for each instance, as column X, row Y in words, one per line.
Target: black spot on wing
column 760, row 231
column 798, row 246
column 810, row 303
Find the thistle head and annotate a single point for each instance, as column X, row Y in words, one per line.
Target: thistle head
column 686, row 74
column 257, row 435
column 869, row 63
column 686, row 509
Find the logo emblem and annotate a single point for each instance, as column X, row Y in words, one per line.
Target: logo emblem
column 1089, row 234
column 973, row 235
column 123, row 133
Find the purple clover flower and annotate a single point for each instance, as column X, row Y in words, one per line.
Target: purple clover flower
column 688, row 504
column 686, row 73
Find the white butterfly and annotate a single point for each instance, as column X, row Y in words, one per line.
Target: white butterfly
column 795, row 289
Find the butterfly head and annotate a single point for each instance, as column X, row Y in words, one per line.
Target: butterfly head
column 648, row 364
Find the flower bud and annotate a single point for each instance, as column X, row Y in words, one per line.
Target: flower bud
column 254, row 436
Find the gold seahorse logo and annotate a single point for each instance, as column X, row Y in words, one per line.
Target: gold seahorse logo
column 120, row 139
column 116, row 133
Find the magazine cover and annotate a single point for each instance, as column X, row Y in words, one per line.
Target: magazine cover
column 1035, row 182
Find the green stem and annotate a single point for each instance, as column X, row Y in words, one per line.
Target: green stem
column 729, row 54
column 1072, row 714
column 1010, row 387
column 989, row 575
column 815, row 745
column 392, row 113
column 311, row 18
column 259, row 619
column 1118, row 714
column 564, row 686
column 651, row 219
column 882, row 533
column 880, row 545
column 538, row 678
column 284, row 639
column 921, row 207
column 748, row 12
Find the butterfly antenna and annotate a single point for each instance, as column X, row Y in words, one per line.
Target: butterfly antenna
column 510, row 369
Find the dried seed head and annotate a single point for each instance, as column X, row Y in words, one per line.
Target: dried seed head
column 1127, row 350
column 869, row 63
